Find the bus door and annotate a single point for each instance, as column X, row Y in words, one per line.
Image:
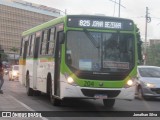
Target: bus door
column 35, row 58
column 23, row 60
column 59, row 34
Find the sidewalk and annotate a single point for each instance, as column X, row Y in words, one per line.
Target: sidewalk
column 10, row 104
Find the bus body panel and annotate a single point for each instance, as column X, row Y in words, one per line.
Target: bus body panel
column 22, row 71
column 70, row 91
column 44, row 68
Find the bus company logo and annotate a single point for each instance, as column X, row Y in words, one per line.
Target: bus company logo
column 6, row 114
column 20, row 114
column 101, row 84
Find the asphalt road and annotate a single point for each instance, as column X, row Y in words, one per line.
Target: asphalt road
column 41, row 103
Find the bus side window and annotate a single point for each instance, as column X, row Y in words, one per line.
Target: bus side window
column 47, row 42
column 32, row 45
column 37, row 44
column 29, row 45
column 44, row 42
column 51, row 41
column 25, row 47
column 41, row 43
column 21, row 49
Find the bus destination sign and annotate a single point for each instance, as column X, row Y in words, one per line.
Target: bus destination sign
column 101, row 23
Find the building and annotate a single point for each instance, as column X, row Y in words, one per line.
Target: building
column 147, row 44
column 154, row 41
column 17, row 16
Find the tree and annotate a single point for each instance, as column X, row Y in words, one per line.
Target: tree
column 153, row 55
column 4, row 57
column 139, row 45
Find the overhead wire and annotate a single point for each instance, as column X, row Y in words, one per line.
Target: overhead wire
column 114, row 7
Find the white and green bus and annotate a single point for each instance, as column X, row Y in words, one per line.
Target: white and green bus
column 80, row 56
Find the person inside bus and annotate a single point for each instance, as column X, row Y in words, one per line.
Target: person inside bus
column 111, row 51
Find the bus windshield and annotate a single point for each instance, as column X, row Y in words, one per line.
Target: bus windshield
column 100, row 51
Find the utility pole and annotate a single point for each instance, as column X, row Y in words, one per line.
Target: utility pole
column 119, row 8
column 147, row 20
column 119, row 4
column 65, row 11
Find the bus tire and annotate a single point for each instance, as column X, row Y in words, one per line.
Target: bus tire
column 54, row 101
column 37, row 93
column 28, row 89
column 109, row 102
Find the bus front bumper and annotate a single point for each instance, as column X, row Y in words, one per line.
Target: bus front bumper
column 70, row 91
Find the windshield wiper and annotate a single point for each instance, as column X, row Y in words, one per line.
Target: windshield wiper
column 91, row 38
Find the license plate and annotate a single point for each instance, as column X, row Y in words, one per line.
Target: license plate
column 100, row 96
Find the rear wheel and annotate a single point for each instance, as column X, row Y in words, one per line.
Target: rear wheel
column 109, row 102
column 37, row 93
column 28, row 89
column 54, row 101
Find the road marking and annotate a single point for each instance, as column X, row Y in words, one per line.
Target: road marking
column 24, row 105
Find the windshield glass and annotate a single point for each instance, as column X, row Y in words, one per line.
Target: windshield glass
column 100, row 52
column 149, row 72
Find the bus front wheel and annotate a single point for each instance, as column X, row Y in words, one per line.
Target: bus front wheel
column 109, row 102
column 54, row 101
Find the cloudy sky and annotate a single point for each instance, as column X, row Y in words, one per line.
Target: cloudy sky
column 133, row 9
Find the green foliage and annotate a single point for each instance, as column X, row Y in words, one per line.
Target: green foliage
column 153, row 55
column 14, row 49
column 139, row 45
column 4, row 57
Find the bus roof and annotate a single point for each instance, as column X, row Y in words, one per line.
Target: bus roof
column 44, row 25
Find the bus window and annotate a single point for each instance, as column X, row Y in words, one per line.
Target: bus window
column 25, row 47
column 29, row 45
column 44, row 42
column 37, row 42
column 21, row 46
column 32, row 45
column 51, row 41
column 41, row 42
column 48, row 40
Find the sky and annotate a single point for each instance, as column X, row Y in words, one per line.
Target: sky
column 132, row 9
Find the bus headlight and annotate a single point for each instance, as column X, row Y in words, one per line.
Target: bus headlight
column 150, row 85
column 129, row 83
column 70, row 80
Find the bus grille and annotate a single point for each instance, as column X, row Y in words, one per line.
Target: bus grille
column 92, row 93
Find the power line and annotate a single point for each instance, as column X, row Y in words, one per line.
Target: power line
column 119, row 3
column 114, row 8
column 138, row 17
column 155, row 17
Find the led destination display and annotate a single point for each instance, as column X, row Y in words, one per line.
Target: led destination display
column 100, row 22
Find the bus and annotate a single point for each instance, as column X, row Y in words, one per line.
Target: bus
column 80, row 56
